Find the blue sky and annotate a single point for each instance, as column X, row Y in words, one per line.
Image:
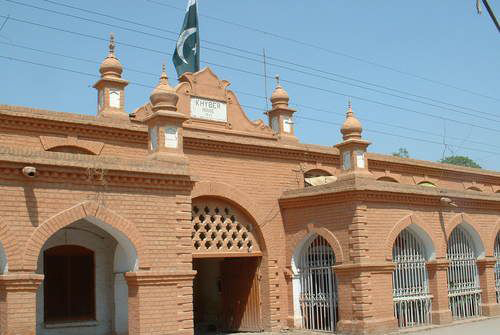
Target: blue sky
column 445, row 41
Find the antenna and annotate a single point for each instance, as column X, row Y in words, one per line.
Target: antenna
column 265, row 77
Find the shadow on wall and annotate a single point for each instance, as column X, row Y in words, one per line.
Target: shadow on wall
column 31, row 204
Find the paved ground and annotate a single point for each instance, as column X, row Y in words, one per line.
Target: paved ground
column 489, row 326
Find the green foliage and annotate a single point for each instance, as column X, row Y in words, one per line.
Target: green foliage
column 460, row 160
column 402, row 152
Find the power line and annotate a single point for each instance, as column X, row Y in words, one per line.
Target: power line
column 271, row 64
column 246, row 106
column 257, row 96
column 331, row 51
column 261, row 75
column 141, row 24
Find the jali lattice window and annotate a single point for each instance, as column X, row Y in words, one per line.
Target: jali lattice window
column 218, row 227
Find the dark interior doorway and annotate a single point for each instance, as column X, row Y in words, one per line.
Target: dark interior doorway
column 226, row 295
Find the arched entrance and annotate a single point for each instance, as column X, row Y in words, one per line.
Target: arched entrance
column 316, row 287
column 84, row 290
column 497, row 266
column 410, row 281
column 227, row 257
column 464, row 291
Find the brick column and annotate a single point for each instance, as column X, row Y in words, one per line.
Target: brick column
column 160, row 302
column 365, row 298
column 489, row 304
column 18, row 303
column 438, row 286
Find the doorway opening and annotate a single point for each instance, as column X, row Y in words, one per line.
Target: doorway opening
column 226, row 294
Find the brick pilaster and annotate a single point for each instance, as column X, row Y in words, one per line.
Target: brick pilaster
column 18, row 303
column 160, row 302
column 489, row 304
column 365, row 298
column 438, row 286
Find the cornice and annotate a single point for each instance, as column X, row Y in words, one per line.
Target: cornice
column 282, row 152
column 55, row 167
column 91, row 128
column 51, row 122
column 410, row 197
column 158, row 278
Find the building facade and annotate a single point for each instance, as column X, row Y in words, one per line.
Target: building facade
column 186, row 216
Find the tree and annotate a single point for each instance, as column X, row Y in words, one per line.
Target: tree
column 460, row 160
column 402, row 152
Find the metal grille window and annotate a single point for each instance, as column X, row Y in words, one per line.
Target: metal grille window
column 412, row 300
column 497, row 266
column 464, row 293
column 318, row 298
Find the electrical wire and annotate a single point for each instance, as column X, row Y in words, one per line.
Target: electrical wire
column 303, row 106
column 270, row 64
column 331, row 51
column 250, row 107
column 442, row 118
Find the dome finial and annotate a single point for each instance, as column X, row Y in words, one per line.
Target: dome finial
column 164, row 77
column 111, row 66
column 352, row 127
column 279, row 98
column 164, row 96
column 112, row 44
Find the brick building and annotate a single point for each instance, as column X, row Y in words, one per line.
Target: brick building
column 187, row 215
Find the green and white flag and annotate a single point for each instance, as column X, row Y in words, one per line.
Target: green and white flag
column 187, row 51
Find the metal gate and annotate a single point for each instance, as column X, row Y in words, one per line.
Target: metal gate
column 318, row 296
column 497, row 266
column 412, row 300
column 464, row 293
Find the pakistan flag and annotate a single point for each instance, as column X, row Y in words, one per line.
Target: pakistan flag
column 187, row 51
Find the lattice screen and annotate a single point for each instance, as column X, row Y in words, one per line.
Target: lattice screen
column 218, row 227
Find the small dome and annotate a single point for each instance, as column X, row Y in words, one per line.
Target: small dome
column 111, row 66
column 352, row 127
column 164, row 96
column 280, row 97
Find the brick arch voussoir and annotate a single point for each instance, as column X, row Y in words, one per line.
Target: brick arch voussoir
column 8, row 242
column 462, row 217
column 86, row 209
column 494, row 232
column 332, row 241
column 412, row 219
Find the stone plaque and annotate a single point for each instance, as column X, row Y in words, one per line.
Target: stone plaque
column 208, row 109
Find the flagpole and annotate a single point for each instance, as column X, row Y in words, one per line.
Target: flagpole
column 265, row 77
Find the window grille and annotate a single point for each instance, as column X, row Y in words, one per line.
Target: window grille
column 412, row 300
column 497, row 266
column 464, row 293
column 318, row 297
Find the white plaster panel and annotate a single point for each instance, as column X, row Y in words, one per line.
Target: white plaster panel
column 86, row 235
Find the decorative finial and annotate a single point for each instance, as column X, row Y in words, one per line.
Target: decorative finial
column 277, row 80
column 164, row 77
column 111, row 43
column 349, row 108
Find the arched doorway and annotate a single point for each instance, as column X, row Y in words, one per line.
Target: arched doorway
column 464, row 292
column 84, row 287
column 497, row 266
column 410, row 281
column 316, row 287
column 227, row 256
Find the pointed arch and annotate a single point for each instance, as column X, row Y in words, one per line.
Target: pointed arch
column 8, row 245
column 312, row 232
column 490, row 247
column 422, row 229
column 97, row 214
column 474, row 231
